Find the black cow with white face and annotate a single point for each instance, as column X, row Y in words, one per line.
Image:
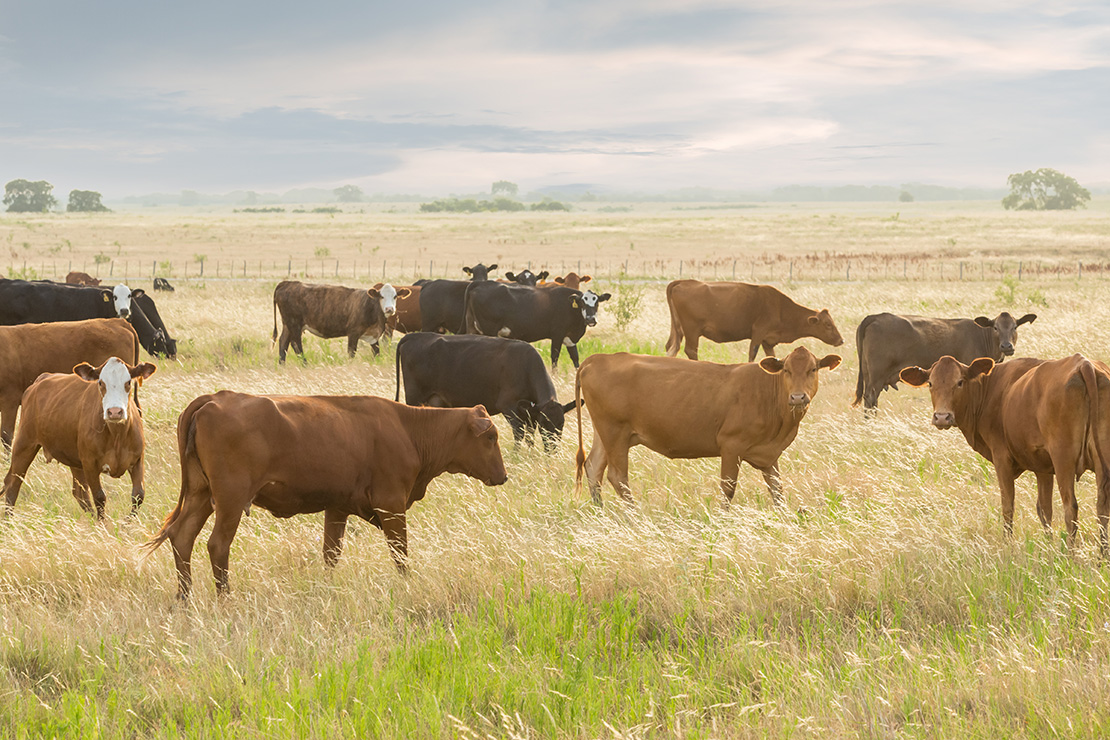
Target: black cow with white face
column 443, row 302
column 532, row 315
column 526, row 277
column 40, row 302
column 504, row 375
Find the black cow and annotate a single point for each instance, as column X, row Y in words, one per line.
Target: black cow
column 506, row 376
column 153, row 334
column 32, row 302
column 888, row 343
column 443, row 302
column 160, row 283
column 519, row 312
column 526, row 277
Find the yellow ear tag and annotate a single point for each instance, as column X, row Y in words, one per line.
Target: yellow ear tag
column 104, row 296
column 574, row 302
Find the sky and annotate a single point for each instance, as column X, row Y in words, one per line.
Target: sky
column 439, row 96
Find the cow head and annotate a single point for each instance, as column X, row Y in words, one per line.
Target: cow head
column 479, row 272
column 1005, row 327
column 822, row 327
column 573, row 280
column 114, row 378
column 476, row 452
column 587, row 303
column 387, row 296
column 949, row 381
column 799, row 373
column 549, row 417
column 121, row 297
column 526, row 277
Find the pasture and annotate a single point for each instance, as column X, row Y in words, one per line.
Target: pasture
column 883, row 601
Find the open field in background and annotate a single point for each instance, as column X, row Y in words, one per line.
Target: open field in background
column 883, row 602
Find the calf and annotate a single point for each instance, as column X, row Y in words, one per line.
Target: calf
column 504, row 375
column 330, row 311
column 160, row 283
column 86, row 421
column 559, row 314
column 343, row 455
column 1050, row 417
column 683, row 409
column 82, row 278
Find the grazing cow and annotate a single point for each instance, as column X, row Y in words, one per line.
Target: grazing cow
column 86, row 421
column 29, row 350
column 888, row 343
column 81, row 278
column 730, row 312
column 153, row 334
column 330, row 311
column 407, row 317
column 506, row 376
column 30, row 302
column 526, row 277
column 160, row 283
column 1050, row 417
column 343, row 455
column 519, row 312
column 443, row 302
column 682, row 409
column 572, row 280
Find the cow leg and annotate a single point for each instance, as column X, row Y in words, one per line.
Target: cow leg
column 1044, row 501
column 556, row 347
column 81, row 490
column 297, row 339
column 8, row 413
column 768, row 348
column 595, row 466
column 1102, row 507
column 23, row 453
column 517, row 425
column 730, row 471
column 92, row 478
column 1066, row 480
column 196, row 507
column 774, row 483
column 219, row 544
column 572, row 351
column 692, row 339
column 283, row 343
column 1003, row 469
column 137, row 492
column 352, row 345
column 396, row 536
column 335, row 524
column 753, row 349
column 618, row 469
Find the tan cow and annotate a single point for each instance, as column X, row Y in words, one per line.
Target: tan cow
column 331, row 311
column 683, row 409
column 572, row 280
column 29, row 350
column 1049, row 417
column 343, row 455
column 81, row 278
column 731, row 312
column 86, row 421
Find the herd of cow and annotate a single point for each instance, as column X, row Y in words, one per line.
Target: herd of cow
column 70, row 356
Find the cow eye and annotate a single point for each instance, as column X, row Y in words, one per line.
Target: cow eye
column 960, row 383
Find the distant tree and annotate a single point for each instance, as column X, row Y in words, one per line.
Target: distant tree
column 24, row 196
column 504, row 186
column 905, row 196
column 349, row 194
column 1044, row 190
column 189, row 198
column 85, row 200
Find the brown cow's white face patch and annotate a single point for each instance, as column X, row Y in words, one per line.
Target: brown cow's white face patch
column 388, row 299
column 114, row 378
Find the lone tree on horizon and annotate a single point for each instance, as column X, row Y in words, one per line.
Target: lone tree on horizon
column 24, row 196
column 504, row 186
column 348, row 194
column 1044, row 190
column 85, row 201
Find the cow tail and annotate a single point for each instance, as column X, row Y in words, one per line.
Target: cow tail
column 580, row 458
column 861, row 330
column 275, row 335
column 1090, row 379
column 675, row 339
column 397, row 369
column 469, row 319
column 190, row 467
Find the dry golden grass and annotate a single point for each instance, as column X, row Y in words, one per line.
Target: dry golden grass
column 883, row 602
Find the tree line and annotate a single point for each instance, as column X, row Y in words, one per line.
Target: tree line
column 26, row 196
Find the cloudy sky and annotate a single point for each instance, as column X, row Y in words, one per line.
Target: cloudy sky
column 134, row 96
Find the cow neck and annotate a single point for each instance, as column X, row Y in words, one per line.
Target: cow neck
column 427, row 434
column 976, row 399
column 991, row 343
column 784, row 416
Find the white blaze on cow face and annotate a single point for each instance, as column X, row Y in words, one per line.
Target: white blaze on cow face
column 114, row 379
column 121, row 297
column 589, row 303
column 388, row 299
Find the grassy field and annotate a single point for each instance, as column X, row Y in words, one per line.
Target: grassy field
column 884, row 601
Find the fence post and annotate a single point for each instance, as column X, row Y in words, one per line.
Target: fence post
column 1080, row 271
column 111, row 267
column 153, row 268
column 848, row 272
column 734, row 269
column 791, row 270
column 961, row 271
column 1021, row 265
column 905, row 266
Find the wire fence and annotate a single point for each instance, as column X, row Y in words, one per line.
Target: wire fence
column 767, row 269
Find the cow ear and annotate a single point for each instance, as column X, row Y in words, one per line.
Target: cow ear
column 812, row 319
column 982, row 366
column 772, row 365
column 467, row 271
column 568, row 407
column 107, row 295
column 491, row 268
column 915, row 376
column 543, row 275
column 829, row 362
column 511, row 276
column 1028, row 318
column 85, row 371
column 373, row 293
column 585, row 278
column 984, row 322
column 143, row 370
column 480, row 423
column 404, row 293
column 525, row 408
column 138, row 292
column 604, row 297
column 560, row 280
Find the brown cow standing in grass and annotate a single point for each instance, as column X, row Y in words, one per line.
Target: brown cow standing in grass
column 731, row 312
column 683, row 409
column 887, row 343
column 87, row 421
column 81, row 278
column 29, row 350
column 343, row 455
column 331, row 311
column 1049, row 417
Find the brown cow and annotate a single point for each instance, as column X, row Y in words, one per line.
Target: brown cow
column 730, row 312
column 29, row 350
column 406, row 319
column 330, row 311
column 342, row 455
column 570, row 280
column 683, row 409
column 81, row 278
column 1050, row 417
column 84, row 420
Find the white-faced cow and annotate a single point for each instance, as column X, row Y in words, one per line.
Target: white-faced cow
column 506, row 376
column 731, row 312
column 740, row 413
column 532, row 315
column 443, row 302
column 330, row 311
column 34, row 302
column 888, row 343
column 86, row 421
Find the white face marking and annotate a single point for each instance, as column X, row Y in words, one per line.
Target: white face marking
column 388, row 299
column 115, row 379
column 589, row 307
column 121, row 295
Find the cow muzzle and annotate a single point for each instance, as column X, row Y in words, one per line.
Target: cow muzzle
column 944, row 419
column 1007, row 349
column 497, row 480
column 591, row 321
column 115, row 415
column 799, row 400
column 124, row 313
column 389, row 311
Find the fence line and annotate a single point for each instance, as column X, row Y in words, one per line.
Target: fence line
column 763, row 270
